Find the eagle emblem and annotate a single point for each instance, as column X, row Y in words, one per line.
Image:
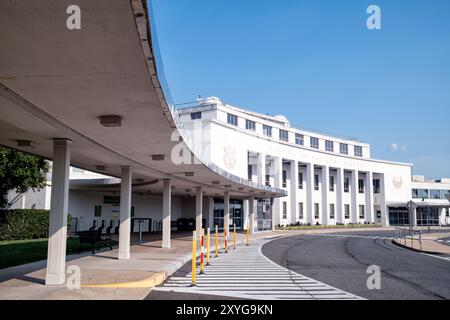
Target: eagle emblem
column 397, row 182
column 229, row 156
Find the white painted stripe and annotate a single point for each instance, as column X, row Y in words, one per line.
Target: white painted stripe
column 247, row 273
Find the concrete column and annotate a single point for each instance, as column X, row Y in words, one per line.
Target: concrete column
column 125, row 212
column 211, row 213
column 251, row 214
column 198, row 211
column 383, row 208
column 325, row 190
column 414, row 216
column 226, row 212
column 339, row 196
column 293, row 191
column 369, row 197
column 167, row 212
column 309, row 192
column 278, row 177
column 245, row 214
column 261, row 169
column 354, row 215
column 57, row 237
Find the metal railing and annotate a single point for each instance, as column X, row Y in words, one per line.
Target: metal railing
column 408, row 235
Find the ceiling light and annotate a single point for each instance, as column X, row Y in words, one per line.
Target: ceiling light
column 111, row 121
column 189, row 174
column 24, row 143
column 157, row 157
column 100, row 168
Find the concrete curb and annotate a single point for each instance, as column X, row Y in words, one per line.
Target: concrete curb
column 150, row 282
column 414, row 249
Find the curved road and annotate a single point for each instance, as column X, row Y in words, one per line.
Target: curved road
column 341, row 260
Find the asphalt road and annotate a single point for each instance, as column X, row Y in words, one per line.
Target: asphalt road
column 342, row 262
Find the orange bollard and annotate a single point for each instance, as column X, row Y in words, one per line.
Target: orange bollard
column 202, row 254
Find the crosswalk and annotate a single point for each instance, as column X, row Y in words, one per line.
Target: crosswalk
column 246, row 273
column 446, row 241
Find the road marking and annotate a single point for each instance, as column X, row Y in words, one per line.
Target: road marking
column 351, row 236
column 247, row 273
column 435, row 256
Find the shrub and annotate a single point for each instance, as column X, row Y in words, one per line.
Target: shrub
column 22, row 224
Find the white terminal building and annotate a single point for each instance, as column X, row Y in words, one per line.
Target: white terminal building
column 328, row 180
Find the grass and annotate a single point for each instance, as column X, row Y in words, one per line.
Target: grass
column 17, row 252
column 348, row 226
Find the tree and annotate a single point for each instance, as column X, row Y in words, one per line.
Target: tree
column 20, row 172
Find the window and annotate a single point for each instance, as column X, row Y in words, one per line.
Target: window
column 299, row 139
column 97, row 211
column 378, row 214
column 300, row 210
column 316, row 182
column 250, row 125
column 331, row 210
column 329, row 145
column 284, row 135
column 284, row 178
column 267, row 179
column 376, row 186
column 361, row 185
column 232, row 119
column 314, row 143
column 362, row 213
column 420, row 193
column 343, row 148
column 300, row 180
column 358, row 151
column 284, row 210
column 316, row 210
column 346, row 184
column 331, row 183
column 196, row 115
column 250, row 172
column 447, row 212
column 347, row 211
column 267, row 130
column 437, row 194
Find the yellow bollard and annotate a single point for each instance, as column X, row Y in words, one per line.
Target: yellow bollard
column 234, row 235
column 194, row 257
column 248, row 234
column 217, row 241
column 208, row 244
column 225, row 238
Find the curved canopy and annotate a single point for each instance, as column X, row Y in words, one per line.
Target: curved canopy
column 57, row 83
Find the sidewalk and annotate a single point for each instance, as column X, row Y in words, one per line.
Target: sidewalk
column 429, row 243
column 102, row 274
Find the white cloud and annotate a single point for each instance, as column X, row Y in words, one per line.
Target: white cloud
column 394, row 146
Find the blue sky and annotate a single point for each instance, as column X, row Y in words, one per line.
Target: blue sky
column 317, row 63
